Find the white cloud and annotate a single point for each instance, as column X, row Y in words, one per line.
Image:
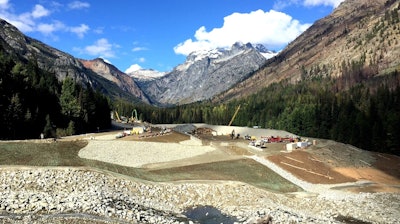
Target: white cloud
column 281, row 4
column 29, row 21
column 26, row 22
column 40, row 11
column 101, row 48
column 23, row 22
column 49, row 28
column 142, row 60
column 273, row 29
column 78, row 5
column 4, row 4
column 80, row 31
column 139, row 49
column 133, row 68
column 333, row 3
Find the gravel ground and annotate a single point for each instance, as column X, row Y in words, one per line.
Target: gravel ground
column 55, row 195
column 59, row 195
column 138, row 154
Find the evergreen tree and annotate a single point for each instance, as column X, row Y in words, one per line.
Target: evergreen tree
column 68, row 99
column 48, row 130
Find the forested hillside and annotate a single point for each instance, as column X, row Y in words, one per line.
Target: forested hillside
column 356, row 109
column 357, row 32
column 338, row 80
column 33, row 101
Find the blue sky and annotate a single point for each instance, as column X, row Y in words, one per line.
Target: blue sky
column 159, row 34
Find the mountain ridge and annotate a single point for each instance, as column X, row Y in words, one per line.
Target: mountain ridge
column 60, row 64
column 362, row 33
column 113, row 74
column 203, row 75
column 355, row 32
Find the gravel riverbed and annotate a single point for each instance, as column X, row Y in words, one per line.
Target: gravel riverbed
column 55, row 195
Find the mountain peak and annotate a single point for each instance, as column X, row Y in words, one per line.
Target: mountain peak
column 204, row 74
column 146, row 74
column 237, row 47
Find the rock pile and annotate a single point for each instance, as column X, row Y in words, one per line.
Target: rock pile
column 40, row 193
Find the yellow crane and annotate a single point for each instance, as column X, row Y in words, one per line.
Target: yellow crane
column 234, row 115
column 118, row 118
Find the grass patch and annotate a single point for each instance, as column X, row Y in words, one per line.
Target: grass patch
column 244, row 170
column 66, row 154
column 41, row 154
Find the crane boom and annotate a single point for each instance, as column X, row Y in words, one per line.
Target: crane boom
column 234, row 115
column 118, row 118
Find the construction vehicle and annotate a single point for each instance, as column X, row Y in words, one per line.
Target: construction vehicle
column 133, row 119
column 118, row 119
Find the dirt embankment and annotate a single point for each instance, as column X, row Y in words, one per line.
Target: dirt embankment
column 338, row 163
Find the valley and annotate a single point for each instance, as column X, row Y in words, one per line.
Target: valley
column 238, row 134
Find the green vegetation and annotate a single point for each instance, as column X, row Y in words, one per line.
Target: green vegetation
column 244, row 170
column 358, row 108
column 64, row 153
column 33, row 101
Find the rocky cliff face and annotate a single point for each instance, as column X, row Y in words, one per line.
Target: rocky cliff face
column 203, row 75
column 358, row 31
column 61, row 64
column 48, row 58
column 111, row 73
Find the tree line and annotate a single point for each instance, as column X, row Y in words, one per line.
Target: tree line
column 34, row 102
column 356, row 108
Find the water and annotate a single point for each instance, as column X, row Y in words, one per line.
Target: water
column 208, row 215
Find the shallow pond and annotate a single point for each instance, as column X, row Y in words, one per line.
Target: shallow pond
column 208, row 215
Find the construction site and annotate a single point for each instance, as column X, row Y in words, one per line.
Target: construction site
column 195, row 173
column 316, row 161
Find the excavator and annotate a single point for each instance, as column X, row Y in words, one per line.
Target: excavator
column 133, row 119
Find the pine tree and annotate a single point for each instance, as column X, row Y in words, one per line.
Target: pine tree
column 68, row 100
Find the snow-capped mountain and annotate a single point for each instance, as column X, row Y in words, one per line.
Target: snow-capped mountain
column 264, row 51
column 203, row 75
column 146, row 74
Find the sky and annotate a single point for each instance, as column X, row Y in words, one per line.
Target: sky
column 159, row 34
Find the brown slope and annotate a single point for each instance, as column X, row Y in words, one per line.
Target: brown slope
column 354, row 29
column 111, row 73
